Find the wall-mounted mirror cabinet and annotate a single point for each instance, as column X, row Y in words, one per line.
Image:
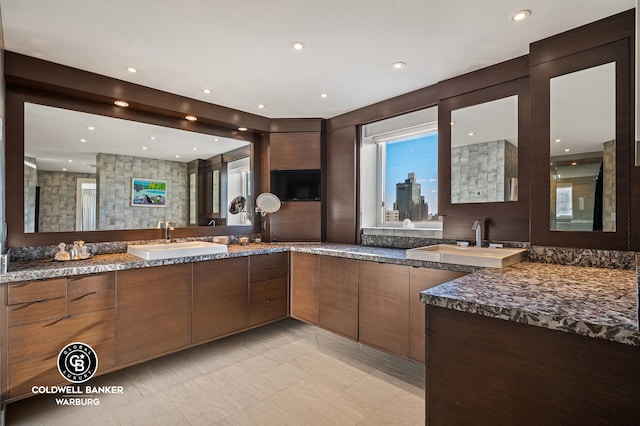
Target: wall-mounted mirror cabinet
column 483, row 143
column 484, row 152
column 581, row 130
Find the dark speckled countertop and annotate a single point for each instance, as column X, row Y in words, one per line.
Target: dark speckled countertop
column 43, row 269
column 592, row 302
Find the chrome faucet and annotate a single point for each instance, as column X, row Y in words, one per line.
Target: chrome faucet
column 477, row 226
column 167, row 231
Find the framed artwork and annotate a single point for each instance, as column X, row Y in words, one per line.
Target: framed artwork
column 148, row 192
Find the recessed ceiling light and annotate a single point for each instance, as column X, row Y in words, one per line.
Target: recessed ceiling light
column 323, row 95
column 472, row 134
column 297, row 45
column 216, row 139
column 144, row 148
column 83, row 140
column 207, row 91
column 121, row 104
column 521, row 15
column 452, row 123
column 132, row 69
column 177, row 156
column 557, row 140
column 398, row 65
column 91, row 128
column 261, row 106
column 64, row 169
column 69, row 161
column 191, row 117
column 567, row 150
column 153, row 138
column 195, row 149
column 574, row 164
column 242, row 129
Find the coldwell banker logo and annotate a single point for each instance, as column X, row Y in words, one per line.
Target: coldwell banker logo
column 77, row 362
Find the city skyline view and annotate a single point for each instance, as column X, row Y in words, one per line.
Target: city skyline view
column 418, row 155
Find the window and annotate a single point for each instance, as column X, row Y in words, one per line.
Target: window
column 400, row 172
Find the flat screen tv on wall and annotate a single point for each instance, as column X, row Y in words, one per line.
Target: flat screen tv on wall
column 296, row 185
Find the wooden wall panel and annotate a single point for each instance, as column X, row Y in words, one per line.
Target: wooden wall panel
column 295, row 151
column 297, row 221
column 342, row 206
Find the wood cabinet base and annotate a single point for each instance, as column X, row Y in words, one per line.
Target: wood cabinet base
column 484, row 370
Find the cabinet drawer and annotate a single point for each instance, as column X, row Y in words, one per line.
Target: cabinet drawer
column 91, row 293
column 44, row 310
column 268, row 310
column 261, row 260
column 267, row 289
column 268, row 271
column 33, row 291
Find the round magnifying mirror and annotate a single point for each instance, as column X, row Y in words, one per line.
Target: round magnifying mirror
column 268, row 203
column 237, row 204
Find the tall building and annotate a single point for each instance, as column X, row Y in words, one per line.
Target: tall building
column 409, row 203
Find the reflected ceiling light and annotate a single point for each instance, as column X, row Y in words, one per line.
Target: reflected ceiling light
column 191, row 118
column 242, row 129
column 472, row 134
column 132, row 69
column 297, row 45
column 177, row 156
column 195, row 149
column 574, row 164
column 261, row 106
column 207, row 91
column 121, row 104
column 557, row 140
column 64, row 169
column 452, row 123
column 83, row 140
column 323, row 95
column 521, row 15
column 398, row 65
column 567, row 150
column 91, row 128
column 216, row 139
column 144, row 148
column 69, row 161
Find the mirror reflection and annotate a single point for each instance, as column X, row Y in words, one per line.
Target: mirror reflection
column 583, row 150
column 79, row 171
column 484, row 152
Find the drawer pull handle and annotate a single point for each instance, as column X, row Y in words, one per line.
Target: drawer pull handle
column 268, row 300
column 84, row 295
column 268, row 280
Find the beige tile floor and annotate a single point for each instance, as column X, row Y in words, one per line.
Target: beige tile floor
column 288, row 373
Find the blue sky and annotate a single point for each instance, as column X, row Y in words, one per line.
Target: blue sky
column 420, row 156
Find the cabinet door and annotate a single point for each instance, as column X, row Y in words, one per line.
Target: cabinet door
column 421, row 279
column 305, row 287
column 384, row 307
column 154, row 311
column 220, row 297
column 339, row 295
column 34, row 348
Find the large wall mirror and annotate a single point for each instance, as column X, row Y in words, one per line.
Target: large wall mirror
column 581, row 130
column 583, row 150
column 86, row 172
column 484, row 152
column 83, row 170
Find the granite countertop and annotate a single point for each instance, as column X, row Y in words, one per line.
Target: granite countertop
column 592, row 302
column 43, row 269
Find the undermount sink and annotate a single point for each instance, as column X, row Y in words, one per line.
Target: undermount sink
column 169, row 250
column 470, row 256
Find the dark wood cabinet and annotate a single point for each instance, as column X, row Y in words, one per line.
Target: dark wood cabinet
column 422, row 279
column 295, row 150
column 45, row 316
column 305, row 287
column 154, row 312
column 268, row 287
column 297, row 221
column 220, row 298
column 338, row 309
column 384, row 307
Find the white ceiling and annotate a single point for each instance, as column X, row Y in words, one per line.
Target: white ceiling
column 240, row 49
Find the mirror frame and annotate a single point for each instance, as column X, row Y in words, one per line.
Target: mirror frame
column 511, row 215
column 541, row 75
column 16, row 96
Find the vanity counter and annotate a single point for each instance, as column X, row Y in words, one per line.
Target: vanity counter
column 592, row 302
column 43, row 269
